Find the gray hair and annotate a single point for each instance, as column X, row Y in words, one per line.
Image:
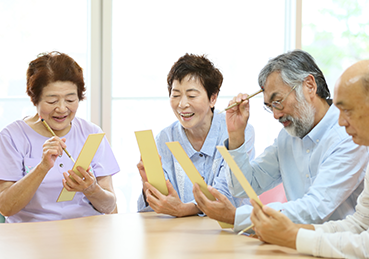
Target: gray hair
column 294, row 67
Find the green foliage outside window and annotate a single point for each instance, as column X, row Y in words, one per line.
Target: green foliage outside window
column 336, row 34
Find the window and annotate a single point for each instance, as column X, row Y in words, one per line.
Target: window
column 30, row 28
column 335, row 33
column 239, row 37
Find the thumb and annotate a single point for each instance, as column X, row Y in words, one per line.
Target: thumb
column 271, row 212
column 170, row 187
column 217, row 195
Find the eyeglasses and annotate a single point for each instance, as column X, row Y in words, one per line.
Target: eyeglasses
column 277, row 105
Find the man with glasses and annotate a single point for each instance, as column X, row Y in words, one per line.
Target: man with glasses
column 348, row 238
column 319, row 165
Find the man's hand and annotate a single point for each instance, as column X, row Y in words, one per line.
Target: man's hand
column 273, row 227
column 221, row 209
column 236, row 119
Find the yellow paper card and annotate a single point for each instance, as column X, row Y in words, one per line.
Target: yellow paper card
column 84, row 160
column 151, row 160
column 192, row 172
column 239, row 175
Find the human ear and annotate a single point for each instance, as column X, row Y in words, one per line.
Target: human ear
column 213, row 100
column 310, row 85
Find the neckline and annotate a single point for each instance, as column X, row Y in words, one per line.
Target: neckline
column 30, row 128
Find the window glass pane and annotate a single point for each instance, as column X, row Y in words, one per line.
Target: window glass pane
column 149, row 36
column 32, row 27
column 336, row 35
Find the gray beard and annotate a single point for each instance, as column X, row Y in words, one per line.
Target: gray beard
column 299, row 127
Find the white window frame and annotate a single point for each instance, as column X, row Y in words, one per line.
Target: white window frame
column 100, row 65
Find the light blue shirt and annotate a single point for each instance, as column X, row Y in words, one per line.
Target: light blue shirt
column 322, row 173
column 207, row 161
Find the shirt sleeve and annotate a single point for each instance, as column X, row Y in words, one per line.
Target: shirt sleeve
column 336, row 245
column 220, row 181
column 104, row 162
column 348, row 238
column 262, row 173
column 141, row 204
column 336, row 179
column 10, row 159
column 250, row 141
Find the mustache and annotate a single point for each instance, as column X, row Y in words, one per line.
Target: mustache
column 286, row 118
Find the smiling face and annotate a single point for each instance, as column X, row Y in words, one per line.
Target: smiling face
column 297, row 115
column 191, row 105
column 351, row 98
column 58, row 105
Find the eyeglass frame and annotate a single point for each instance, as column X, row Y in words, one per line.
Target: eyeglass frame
column 274, row 103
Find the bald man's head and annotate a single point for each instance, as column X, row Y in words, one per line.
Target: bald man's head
column 351, row 96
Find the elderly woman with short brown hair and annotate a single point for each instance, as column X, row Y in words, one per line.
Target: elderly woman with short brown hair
column 34, row 167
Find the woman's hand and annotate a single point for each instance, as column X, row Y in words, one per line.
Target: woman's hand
column 52, row 148
column 236, row 119
column 85, row 184
column 141, row 169
column 170, row 204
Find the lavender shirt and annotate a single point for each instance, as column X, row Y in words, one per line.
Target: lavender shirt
column 21, row 151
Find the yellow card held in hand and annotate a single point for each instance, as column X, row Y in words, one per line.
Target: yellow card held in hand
column 151, row 160
column 84, row 160
column 239, row 175
column 192, row 172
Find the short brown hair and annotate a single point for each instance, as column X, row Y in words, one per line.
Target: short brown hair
column 51, row 67
column 200, row 68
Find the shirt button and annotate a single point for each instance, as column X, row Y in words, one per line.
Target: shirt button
column 61, row 165
column 201, row 155
column 307, row 176
column 307, row 151
column 317, row 140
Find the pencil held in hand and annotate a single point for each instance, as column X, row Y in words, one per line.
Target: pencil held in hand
column 235, row 104
column 52, row 133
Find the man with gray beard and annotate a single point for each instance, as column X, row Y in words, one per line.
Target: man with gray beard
column 321, row 168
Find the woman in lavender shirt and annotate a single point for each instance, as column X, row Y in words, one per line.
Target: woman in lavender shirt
column 34, row 167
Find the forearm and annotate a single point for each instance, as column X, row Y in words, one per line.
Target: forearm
column 236, row 139
column 15, row 196
column 103, row 200
column 289, row 239
column 188, row 209
column 306, row 226
column 337, row 245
